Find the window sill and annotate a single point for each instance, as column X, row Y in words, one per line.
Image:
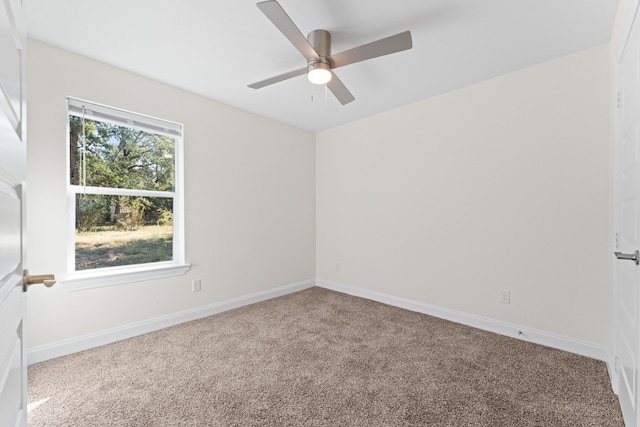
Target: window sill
column 81, row 280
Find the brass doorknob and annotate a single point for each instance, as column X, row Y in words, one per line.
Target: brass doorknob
column 47, row 279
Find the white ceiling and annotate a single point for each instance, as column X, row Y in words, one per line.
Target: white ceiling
column 215, row 48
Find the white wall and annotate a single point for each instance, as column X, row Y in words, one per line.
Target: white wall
column 500, row 185
column 250, row 199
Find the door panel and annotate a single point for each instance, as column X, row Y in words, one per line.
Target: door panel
column 12, row 361
column 10, row 212
column 12, row 40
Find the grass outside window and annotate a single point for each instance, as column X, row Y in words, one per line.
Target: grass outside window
column 109, row 247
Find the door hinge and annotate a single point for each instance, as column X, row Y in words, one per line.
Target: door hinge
column 619, row 100
column 617, row 240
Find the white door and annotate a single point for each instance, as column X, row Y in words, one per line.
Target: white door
column 627, row 208
column 13, row 398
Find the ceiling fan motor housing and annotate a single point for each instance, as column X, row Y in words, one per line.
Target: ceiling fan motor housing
column 319, row 68
column 320, row 40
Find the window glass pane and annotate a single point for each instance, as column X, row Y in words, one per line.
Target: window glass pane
column 122, row 230
column 120, row 157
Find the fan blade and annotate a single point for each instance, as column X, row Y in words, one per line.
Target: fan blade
column 391, row 44
column 339, row 90
column 281, row 20
column 278, row 78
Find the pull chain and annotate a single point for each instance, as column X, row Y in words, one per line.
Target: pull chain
column 326, row 96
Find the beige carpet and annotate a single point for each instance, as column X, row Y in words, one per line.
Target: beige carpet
column 321, row 358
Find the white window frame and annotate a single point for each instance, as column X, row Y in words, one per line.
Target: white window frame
column 106, row 276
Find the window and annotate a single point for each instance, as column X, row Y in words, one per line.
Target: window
column 124, row 196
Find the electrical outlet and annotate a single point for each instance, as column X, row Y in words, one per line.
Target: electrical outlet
column 338, row 268
column 505, row 296
column 196, row 285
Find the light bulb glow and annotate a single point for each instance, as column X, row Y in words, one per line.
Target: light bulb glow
column 319, row 73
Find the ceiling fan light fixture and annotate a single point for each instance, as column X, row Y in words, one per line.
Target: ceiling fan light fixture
column 319, row 73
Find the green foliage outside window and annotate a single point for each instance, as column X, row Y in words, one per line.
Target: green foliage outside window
column 121, row 157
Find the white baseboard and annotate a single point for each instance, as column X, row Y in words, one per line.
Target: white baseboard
column 613, row 375
column 85, row 342
column 548, row 339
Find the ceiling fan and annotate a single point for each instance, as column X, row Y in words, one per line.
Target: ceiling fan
column 316, row 48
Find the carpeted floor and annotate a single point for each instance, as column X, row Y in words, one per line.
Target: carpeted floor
column 321, row 358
